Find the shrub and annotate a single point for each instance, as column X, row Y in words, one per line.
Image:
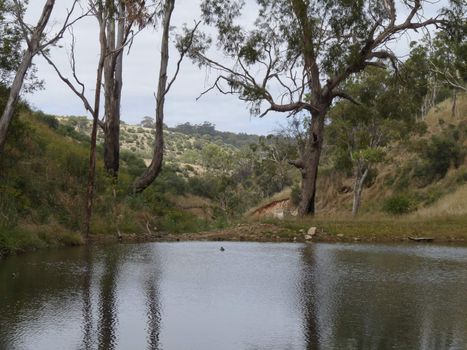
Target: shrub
column 295, row 196
column 398, row 204
column 440, row 154
column 48, row 120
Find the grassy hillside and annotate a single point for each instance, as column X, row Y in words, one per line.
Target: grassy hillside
column 207, row 183
column 180, row 146
column 423, row 176
column 43, row 176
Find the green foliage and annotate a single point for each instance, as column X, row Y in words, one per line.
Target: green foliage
column 398, row 204
column 209, row 129
column 295, row 195
column 438, row 155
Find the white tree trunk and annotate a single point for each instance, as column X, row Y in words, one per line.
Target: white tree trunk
column 15, row 90
column 358, row 189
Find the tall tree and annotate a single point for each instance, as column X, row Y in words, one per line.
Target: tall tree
column 164, row 84
column 298, row 55
column 123, row 17
column 36, row 41
column 448, row 51
column 361, row 134
column 97, row 8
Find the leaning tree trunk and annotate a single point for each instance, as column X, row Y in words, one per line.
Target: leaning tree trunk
column 310, row 163
column 13, row 97
column 151, row 173
column 34, row 43
column 360, row 178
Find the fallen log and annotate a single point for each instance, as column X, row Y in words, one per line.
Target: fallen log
column 421, row 239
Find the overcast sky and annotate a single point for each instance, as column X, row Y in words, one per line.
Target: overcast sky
column 141, row 68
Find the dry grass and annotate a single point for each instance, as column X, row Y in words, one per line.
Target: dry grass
column 281, row 196
column 442, row 114
column 451, row 204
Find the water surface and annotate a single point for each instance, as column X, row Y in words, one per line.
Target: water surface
column 251, row 296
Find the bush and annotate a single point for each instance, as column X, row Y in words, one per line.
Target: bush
column 295, row 195
column 398, row 205
column 48, row 120
column 440, row 154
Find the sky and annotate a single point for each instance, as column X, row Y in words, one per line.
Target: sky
column 141, row 67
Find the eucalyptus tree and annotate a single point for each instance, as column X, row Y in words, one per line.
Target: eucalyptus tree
column 124, row 19
column 98, row 10
column 297, row 55
column 361, row 135
column 164, row 85
column 35, row 41
column 448, row 51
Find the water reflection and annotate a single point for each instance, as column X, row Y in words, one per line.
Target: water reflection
column 87, row 326
column 252, row 296
column 382, row 299
column 107, row 302
column 153, row 313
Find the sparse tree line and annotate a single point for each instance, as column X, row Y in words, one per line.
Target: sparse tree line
column 330, row 65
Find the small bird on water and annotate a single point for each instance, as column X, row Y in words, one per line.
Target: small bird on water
column 222, row 249
column 13, row 275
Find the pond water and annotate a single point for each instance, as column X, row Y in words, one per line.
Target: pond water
column 250, row 296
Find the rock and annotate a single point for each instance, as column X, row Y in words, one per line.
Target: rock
column 295, row 239
column 312, row 231
column 308, row 237
column 301, row 231
column 340, row 235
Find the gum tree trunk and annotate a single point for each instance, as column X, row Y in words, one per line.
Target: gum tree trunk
column 361, row 175
column 310, row 163
column 113, row 82
column 151, row 173
column 34, row 43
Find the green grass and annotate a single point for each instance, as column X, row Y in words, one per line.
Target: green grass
column 22, row 240
column 447, row 228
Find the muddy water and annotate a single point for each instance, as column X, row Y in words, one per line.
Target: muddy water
column 250, row 296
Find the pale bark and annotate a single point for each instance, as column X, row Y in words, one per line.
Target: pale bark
column 95, row 122
column 151, row 173
column 78, row 89
column 113, row 82
column 360, row 177
column 34, row 46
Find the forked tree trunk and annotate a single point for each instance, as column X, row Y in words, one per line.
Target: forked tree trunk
column 113, row 81
column 151, row 173
column 34, row 42
column 310, row 163
column 360, row 177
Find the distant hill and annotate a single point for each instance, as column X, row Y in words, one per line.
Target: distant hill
column 208, row 129
column 182, row 143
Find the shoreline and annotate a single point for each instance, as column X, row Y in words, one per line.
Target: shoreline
column 288, row 231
